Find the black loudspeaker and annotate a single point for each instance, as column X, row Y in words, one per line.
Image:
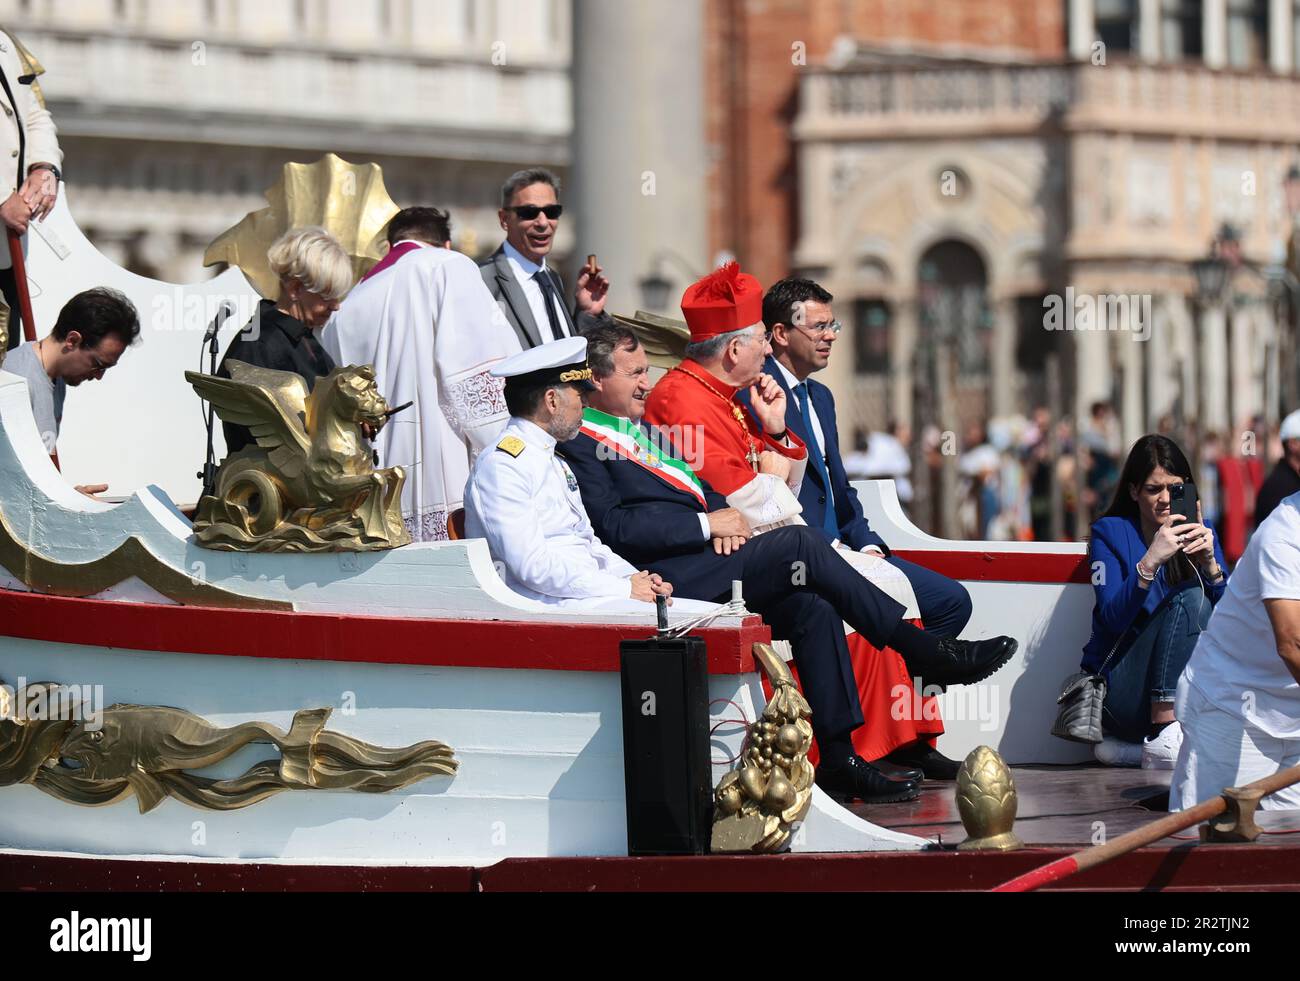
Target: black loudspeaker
column 666, row 746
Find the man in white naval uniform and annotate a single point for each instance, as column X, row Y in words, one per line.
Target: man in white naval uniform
column 524, row 499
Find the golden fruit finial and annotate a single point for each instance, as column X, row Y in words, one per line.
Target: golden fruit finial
column 986, row 799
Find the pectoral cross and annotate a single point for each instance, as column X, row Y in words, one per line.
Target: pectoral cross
column 752, row 456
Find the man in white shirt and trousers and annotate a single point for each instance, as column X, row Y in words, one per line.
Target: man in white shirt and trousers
column 425, row 321
column 1239, row 696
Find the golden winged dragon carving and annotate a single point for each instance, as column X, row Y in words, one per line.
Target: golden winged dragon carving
column 309, row 484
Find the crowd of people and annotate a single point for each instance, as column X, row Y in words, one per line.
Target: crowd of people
column 1016, row 471
column 537, row 419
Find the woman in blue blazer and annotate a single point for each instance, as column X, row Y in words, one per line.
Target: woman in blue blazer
column 1157, row 575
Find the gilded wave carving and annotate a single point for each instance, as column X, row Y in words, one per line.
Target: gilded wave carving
column 131, row 558
column 758, row 804
column 309, row 484
column 146, row 750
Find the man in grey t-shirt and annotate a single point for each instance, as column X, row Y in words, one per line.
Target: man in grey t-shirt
column 46, row 393
column 93, row 331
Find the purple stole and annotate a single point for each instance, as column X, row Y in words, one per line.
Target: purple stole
column 395, row 253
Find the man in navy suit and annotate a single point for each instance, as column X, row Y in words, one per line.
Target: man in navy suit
column 648, row 506
column 798, row 314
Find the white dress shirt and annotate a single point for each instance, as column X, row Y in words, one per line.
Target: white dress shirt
column 814, row 426
column 528, row 508
column 526, row 271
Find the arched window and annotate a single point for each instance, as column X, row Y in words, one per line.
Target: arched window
column 871, row 326
column 952, row 290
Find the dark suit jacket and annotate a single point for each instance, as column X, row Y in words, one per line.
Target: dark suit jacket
column 855, row 530
column 648, row 521
column 505, row 289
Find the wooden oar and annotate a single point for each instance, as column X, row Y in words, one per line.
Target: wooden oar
column 20, row 278
column 1090, row 858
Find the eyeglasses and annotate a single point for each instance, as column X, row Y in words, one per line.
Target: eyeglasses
column 527, row 212
column 833, row 328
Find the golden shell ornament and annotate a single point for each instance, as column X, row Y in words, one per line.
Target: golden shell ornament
column 986, row 800
column 348, row 200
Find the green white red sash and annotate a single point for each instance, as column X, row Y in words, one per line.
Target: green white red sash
column 629, row 442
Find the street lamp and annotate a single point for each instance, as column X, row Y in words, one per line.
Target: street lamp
column 1291, row 189
column 656, row 287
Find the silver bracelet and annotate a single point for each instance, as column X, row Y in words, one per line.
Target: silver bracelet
column 1142, row 575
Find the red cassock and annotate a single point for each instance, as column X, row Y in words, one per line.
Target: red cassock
column 714, row 432
column 699, row 414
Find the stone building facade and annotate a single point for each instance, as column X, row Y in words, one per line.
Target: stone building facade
column 948, row 169
column 175, row 115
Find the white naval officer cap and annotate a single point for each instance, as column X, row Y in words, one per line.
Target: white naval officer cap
column 559, row 362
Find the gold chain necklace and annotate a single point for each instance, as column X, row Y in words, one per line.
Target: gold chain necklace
column 736, row 411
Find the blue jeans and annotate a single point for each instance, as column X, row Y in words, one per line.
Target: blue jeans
column 1147, row 671
column 944, row 604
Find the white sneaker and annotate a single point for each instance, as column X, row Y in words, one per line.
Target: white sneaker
column 1161, row 752
column 1116, row 752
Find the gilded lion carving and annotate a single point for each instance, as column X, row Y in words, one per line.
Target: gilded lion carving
column 309, row 484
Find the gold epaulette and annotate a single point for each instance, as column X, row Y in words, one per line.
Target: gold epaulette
column 512, row 445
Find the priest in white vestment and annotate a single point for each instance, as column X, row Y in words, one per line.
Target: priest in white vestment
column 431, row 329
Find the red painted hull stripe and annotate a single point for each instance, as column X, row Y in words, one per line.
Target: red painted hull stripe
column 335, row 637
column 1002, row 566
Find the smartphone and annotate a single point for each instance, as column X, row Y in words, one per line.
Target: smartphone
column 1183, row 500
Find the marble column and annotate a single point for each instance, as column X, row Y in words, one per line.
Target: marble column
column 1214, row 32
column 1082, row 28
column 1093, row 369
column 902, row 349
column 1149, row 30
column 1131, row 354
column 638, row 185
column 1002, row 369
column 1280, row 35
column 1215, row 410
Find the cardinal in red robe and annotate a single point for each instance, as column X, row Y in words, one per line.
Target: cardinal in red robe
column 759, row 466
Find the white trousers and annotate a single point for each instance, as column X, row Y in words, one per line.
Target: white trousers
column 1222, row 749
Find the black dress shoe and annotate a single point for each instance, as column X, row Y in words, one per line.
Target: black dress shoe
column 859, row 780
column 930, row 761
column 897, row 771
column 964, row 662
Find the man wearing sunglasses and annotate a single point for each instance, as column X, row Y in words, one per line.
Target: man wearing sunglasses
column 803, row 328
column 93, row 331
column 529, row 292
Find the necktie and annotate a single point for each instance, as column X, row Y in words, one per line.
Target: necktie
column 829, row 523
column 548, row 296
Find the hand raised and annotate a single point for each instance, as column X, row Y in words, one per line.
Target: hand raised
column 767, row 399
column 592, row 290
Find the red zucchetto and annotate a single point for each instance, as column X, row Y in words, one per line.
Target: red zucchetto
column 724, row 300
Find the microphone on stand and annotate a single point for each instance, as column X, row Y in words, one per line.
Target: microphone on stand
column 209, row 472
